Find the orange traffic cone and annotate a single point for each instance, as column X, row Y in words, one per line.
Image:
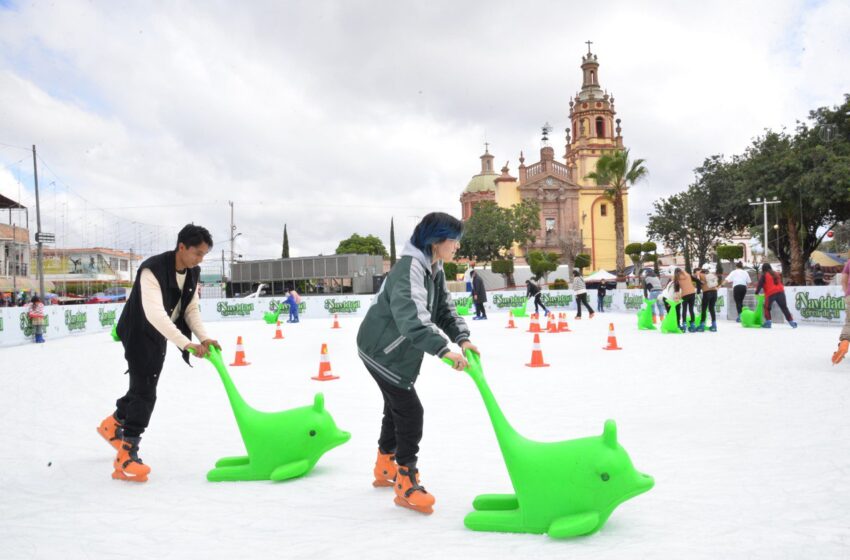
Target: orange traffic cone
column 537, row 354
column 325, row 366
column 510, row 320
column 336, row 322
column 562, row 323
column 552, row 326
column 534, row 326
column 239, row 360
column 612, row 339
column 278, row 334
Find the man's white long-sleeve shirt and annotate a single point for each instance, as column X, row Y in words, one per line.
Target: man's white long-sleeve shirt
column 156, row 315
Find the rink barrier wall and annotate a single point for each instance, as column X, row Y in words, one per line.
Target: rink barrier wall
column 810, row 305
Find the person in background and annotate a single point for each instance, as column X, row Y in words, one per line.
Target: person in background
column 684, row 284
column 293, row 299
column 844, row 337
column 577, row 286
column 406, row 319
column 36, row 315
column 708, row 281
column 533, row 290
column 774, row 292
column 739, row 279
column 601, row 290
column 479, row 296
column 652, row 290
column 817, row 275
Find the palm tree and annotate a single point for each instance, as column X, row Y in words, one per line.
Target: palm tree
column 617, row 174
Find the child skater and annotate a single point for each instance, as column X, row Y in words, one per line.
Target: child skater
column 844, row 337
column 404, row 321
column 774, row 292
column 36, row 315
column 708, row 280
column 685, row 286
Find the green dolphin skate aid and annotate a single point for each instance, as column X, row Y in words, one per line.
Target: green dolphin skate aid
column 280, row 445
column 519, row 311
column 753, row 319
column 114, row 333
column 565, row 488
column 645, row 316
column 271, row 317
column 670, row 323
column 462, row 310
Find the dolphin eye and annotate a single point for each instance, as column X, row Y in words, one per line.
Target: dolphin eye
column 604, row 477
column 312, row 433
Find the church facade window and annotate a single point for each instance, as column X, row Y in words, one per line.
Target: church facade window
column 550, row 225
column 600, row 127
column 603, row 209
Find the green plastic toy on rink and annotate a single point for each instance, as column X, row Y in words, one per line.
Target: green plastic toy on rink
column 670, row 323
column 753, row 319
column 280, row 445
column 519, row 311
column 566, row 488
column 645, row 315
column 462, row 310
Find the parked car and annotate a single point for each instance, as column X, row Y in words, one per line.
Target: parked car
column 110, row 295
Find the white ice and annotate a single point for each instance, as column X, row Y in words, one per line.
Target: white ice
column 746, row 432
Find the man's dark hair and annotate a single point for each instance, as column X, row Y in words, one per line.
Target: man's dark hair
column 192, row 236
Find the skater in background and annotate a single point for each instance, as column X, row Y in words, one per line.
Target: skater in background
column 844, row 337
column 708, row 281
column 404, row 322
column 774, row 292
column 36, row 315
column 293, row 299
column 670, row 294
column 601, row 289
column 479, row 296
column 533, row 290
column 652, row 290
column 162, row 308
column 687, row 293
column 577, row 286
column 739, row 279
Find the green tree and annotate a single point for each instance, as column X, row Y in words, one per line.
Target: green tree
column 582, row 260
column 357, row 245
column 730, row 253
column 541, row 263
column 284, row 252
column 492, row 230
column 505, row 267
column 392, row 243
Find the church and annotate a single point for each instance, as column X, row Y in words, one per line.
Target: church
column 575, row 215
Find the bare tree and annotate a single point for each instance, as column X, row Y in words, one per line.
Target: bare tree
column 571, row 245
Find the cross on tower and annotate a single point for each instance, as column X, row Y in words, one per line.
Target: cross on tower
column 588, row 46
column 487, row 147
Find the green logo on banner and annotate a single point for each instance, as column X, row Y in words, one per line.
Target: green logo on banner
column 281, row 305
column 632, row 302
column 26, row 324
column 550, row 300
column 106, row 318
column 75, row 321
column 1, row 324
column 345, row 306
column 463, row 302
column 234, row 309
column 501, row 301
column 825, row 307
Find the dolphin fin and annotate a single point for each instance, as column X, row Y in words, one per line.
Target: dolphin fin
column 574, row 525
column 290, row 470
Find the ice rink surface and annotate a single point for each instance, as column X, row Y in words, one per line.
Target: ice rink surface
column 747, row 433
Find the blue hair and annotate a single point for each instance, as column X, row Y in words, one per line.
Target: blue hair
column 436, row 227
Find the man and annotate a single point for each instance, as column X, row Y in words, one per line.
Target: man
column 479, row 296
column 162, row 308
column 739, row 280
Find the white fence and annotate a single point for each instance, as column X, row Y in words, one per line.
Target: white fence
column 817, row 305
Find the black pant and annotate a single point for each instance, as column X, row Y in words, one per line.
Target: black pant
column 709, row 299
column 687, row 305
column 738, row 292
column 581, row 299
column 539, row 303
column 479, row 309
column 135, row 408
column 778, row 298
column 401, row 428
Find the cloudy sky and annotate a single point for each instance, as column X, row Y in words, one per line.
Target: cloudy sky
column 332, row 117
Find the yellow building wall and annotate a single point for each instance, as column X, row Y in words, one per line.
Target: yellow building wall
column 598, row 231
column 507, row 196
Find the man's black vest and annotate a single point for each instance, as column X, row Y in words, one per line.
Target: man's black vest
column 142, row 342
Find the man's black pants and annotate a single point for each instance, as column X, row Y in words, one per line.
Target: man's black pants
column 401, row 428
column 739, row 292
column 135, row 408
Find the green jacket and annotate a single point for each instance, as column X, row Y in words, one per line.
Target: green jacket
column 405, row 319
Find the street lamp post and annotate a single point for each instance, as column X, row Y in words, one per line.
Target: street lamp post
column 764, row 202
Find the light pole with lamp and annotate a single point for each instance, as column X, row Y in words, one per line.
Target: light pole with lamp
column 764, row 202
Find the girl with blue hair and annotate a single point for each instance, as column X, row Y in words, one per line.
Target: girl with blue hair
column 404, row 322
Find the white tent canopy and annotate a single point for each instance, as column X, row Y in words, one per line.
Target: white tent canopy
column 600, row 276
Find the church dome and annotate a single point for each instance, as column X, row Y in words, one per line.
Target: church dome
column 481, row 183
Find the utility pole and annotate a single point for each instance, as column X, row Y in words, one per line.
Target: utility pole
column 38, row 231
column 232, row 231
column 14, row 260
column 764, row 204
